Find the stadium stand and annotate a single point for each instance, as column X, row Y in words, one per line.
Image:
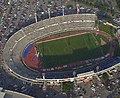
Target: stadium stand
column 23, row 38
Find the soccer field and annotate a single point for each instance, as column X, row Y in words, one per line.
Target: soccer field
column 71, row 49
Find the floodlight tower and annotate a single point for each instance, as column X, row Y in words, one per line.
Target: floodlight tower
column 77, row 6
column 49, row 12
column 78, row 10
column 63, row 10
column 36, row 17
column 45, row 82
column 9, row 2
column 75, row 81
column 43, row 75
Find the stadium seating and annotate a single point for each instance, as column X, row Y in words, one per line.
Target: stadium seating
column 21, row 39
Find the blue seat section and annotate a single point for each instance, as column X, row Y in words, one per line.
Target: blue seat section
column 103, row 65
column 58, row 75
column 111, row 62
column 27, row 50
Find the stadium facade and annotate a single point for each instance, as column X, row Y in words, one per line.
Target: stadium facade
column 17, row 43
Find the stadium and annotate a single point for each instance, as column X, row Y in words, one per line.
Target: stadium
column 59, row 48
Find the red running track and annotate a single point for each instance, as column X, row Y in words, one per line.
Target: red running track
column 32, row 60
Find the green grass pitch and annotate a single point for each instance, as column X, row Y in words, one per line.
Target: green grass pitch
column 71, row 49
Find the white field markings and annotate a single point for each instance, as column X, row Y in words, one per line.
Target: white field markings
column 45, row 49
column 36, row 52
column 68, row 48
column 61, row 37
column 40, row 51
column 50, row 51
column 102, row 41
column 86, row 43
column 98, row 44
column 96, row 41
column 91, row 42
column 65, row 50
